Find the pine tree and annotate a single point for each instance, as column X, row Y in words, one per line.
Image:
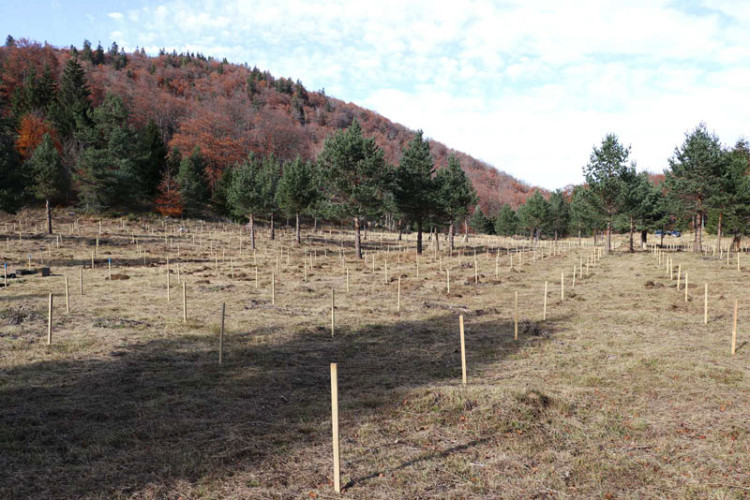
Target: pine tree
column 605, row 173
column 12, row 180
column 638, row 200
column 480, row 223
column 506, row 221
column 244, row 196
column 534, row 215
column 153, row 158
column 72, row 109
column 559, row 213
column 296, row 191
column 193, row 183
column 356, row 177
column 269, row 181
column 415, row 190
column 695, row 173
column 47, row 175
column 456, row 194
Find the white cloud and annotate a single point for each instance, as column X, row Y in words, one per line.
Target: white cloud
column 526, row 86
column 117, row 16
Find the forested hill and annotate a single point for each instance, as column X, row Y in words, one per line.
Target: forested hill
column 228, row 110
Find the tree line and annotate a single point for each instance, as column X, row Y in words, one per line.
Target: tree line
column 705, row 188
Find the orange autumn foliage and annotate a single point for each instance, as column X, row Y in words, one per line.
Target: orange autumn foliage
column 31, row 131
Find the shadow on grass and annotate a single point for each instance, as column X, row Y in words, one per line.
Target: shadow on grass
column 162, row 411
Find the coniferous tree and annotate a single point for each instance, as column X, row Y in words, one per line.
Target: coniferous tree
column 480, row 223
column 12, row 180
column 269, row 182
column 296, row 190
column 506, row 221
column 456, row 194
column 153, row 158
column 638, row 198
column 605, row 173
column 245, row 196
column 559, row 213
column 534, row 215
column 415, row 189
column 694, row 175
column 47, row 175
column 193, row 183
column 356, row 177
column 72, row 109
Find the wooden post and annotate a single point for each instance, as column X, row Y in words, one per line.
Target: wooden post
column 221, row 333
column 679, row 275
column 256, row 277
column 184, row 303
column 734, row 325
column 705, row 303
column 67, row 297
column 49, row 322
column 515, row 316
column 273, row 289
column 333, row 312
column 686, row 287
column 463, row 350
column 448, row 280
column 562, row 286
column 398, row 296
column 335, row 427
column 544, row 309
column 80, row 278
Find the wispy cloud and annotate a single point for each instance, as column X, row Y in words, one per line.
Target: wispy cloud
column 529, row 87
column 115, row 15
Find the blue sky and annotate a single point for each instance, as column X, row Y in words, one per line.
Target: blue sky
column 529, row 86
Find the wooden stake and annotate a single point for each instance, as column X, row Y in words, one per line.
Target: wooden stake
column 734, row 324
column 705, row 303
column 544, row 309
column 515, row 316
column 221, row 333
column 256, row 277
column 184, row 303
column 679, row 275
column 562, row 286
column 49, row 322
column 333, row 312
column 335, row 427
column 273, row 289
column 80, row 278
column 448, row 280
column 67, row 297
column 686, row 287
column 398, row 296
column 463, row 350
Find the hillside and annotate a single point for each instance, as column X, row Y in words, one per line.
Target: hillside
column 230, row 110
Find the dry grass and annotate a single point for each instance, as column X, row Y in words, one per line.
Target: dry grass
column 622, row 392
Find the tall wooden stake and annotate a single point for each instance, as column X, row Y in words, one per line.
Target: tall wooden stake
column 49, row 322
column 221, row 333
column 463, row 350
column 734, row 324
column 67, row 297
column 335, row 427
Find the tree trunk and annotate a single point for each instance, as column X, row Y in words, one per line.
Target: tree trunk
column 661, row 243
column 632, row 230
column 596, row 234
column 555, row 235
column 419, row 237
column 466, row 229
column 697, row 226
column 437, row 239
column 273, row 228
column 609, row 236
column 718, row 231
column 315, row 224
column 644, row 239
column 252, row 232
column 579, row 237
column 357, row 239
column 451, row 230
column 49, row 217
column 296, row 228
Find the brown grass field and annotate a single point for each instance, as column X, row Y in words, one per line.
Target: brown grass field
column 622, row 392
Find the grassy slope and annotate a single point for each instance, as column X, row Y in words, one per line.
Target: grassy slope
column 623, row 391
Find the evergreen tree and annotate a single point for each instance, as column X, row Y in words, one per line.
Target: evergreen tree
column 10, row 41
column 506, row 221
column 245, row 196
column 296, row 191
column 72, row 109
column 356, row 177
column 456, row 194
column 47, row 175
column 480, row 223
column 534, row 215
column 269, row 182
column 153, row 160
column 193, row 183
column 585, row 215
column 738, row 177
column 86, row 53
column 12, row 180
column 219, row 196
column 98, row 56
column 638, row 201
column 559, row 213
column 605, row 173
column 415, row 190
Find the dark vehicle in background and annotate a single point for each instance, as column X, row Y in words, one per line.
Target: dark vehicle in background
column 676, row 233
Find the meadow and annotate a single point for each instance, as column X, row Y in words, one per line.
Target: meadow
column 621, row 391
